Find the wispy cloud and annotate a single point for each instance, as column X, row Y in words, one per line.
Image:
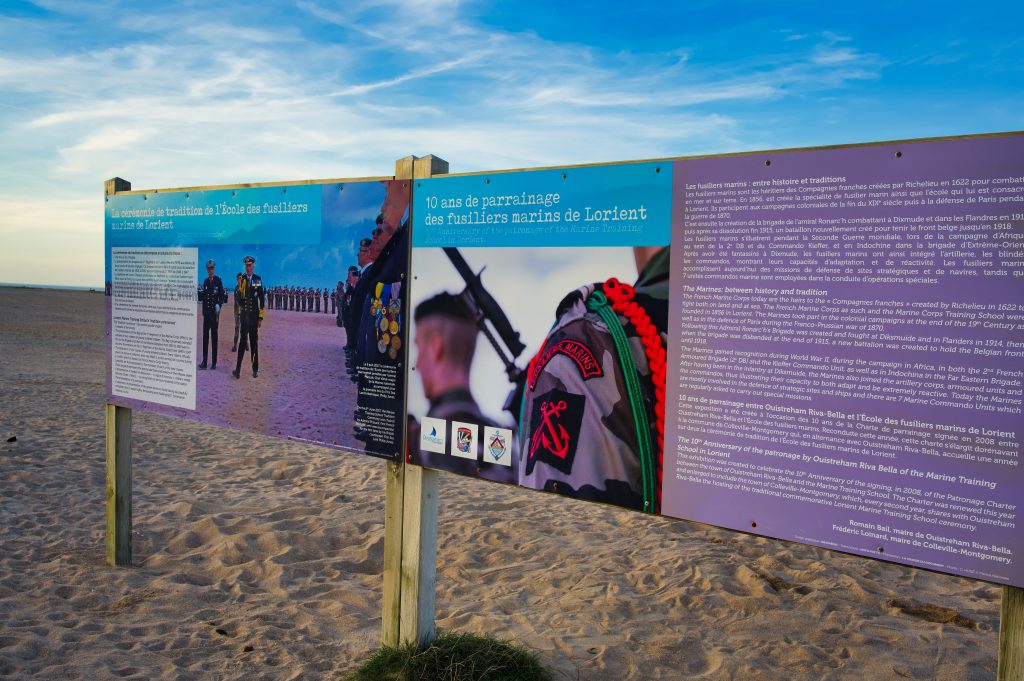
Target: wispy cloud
column 199, row 93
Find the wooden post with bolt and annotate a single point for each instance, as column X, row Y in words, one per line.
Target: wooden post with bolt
column 410, row 520
column 119, row 459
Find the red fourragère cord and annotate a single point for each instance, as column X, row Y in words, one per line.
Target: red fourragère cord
column 621, row 297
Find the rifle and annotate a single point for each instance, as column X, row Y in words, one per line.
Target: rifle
column 495, row 326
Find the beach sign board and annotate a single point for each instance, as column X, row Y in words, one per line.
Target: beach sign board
column 273, row 309
column 824, row 346
column 526, row 257
column 848, row 346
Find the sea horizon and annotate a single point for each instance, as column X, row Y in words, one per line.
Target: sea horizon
column 59, row 287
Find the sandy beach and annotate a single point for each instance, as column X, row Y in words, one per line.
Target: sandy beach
column 260, row 558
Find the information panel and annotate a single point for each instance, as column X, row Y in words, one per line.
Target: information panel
column 277, row 309
column 522, row 371
column 847, row 345
column 153, row 326
column 821, row 345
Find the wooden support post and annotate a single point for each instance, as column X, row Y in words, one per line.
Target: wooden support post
column 419, row 533
column 119, row 459
column 419, row 555
column 119, row 485
column 410, row 521
column 394, row 497
column 115, row 185
column 394, row 500
column 1011, row 635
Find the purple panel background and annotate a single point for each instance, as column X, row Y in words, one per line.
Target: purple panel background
column 812, row 524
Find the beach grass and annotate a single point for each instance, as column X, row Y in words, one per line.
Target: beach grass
column 453, row 656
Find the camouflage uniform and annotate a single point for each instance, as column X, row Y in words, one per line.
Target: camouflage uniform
column 578, row 433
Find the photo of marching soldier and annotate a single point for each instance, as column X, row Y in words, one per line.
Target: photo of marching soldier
column 307, row 362
column 562, row 390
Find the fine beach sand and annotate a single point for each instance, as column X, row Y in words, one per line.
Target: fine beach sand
column 261, row 559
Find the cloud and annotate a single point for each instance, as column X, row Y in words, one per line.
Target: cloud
column 398, row 80
column 106, row 139
column 835, row 55
column 209, row 94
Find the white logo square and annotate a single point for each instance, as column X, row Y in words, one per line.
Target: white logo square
column 498, row 446
column 432, row 435
column 464, row 440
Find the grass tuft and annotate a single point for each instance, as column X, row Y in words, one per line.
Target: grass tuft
column 453, row 657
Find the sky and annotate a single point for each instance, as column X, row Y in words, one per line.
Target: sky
column 198, row 93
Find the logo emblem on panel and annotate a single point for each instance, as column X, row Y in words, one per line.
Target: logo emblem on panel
column 498, row 446
column 464, row 440
column 432, row 434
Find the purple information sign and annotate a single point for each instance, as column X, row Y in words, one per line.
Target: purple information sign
column 848, row 336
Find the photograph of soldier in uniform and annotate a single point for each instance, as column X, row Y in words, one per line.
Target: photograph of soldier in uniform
column 289, row 376
column 236, row 297
column 250, row 311
column 212, row 297
column 579, row 374
column 445, row 338
column 376, row 324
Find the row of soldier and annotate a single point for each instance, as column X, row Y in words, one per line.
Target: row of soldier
column 372, row 311
column 302, row 299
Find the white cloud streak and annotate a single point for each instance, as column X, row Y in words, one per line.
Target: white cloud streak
column 197, row 96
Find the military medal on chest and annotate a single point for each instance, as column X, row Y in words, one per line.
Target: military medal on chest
column 386, row 308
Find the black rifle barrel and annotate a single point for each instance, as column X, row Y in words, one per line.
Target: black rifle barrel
column 487, row 305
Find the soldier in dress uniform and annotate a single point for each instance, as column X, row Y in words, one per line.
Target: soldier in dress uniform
column 445, row 338
column 326, row 296
column 235, row 307
column 251, row 314
column 346, row 295
column 354, row 305
column 334, row 300
column 384, row 281
column 592, row 419
column 379, row 300
column 212, row 296
column 316, row 299
column 340, row 296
